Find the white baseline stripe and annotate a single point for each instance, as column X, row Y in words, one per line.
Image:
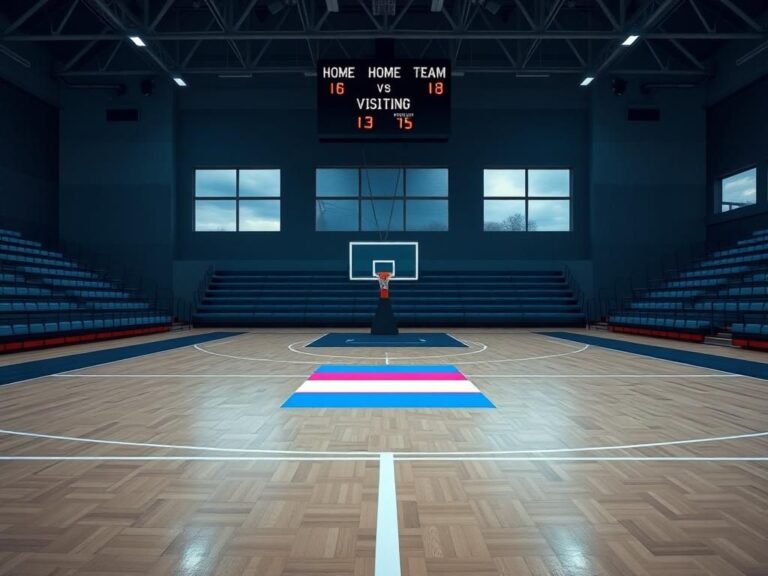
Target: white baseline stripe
column 597, row 448
column 589, row 458
column 371, row 457
column 363, row 454
column 387, row 553
column 390, row 515
column 392, row 386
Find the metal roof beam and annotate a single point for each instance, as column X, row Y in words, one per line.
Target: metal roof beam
column 741, row 14
column 396, row 34
column 459, row 70
column 26, row 16
column 158, row 18
column 219, row 18
column 66, row 18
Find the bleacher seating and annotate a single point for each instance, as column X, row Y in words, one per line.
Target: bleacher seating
column 718, row 293
column 47, row 299
column 522, row 298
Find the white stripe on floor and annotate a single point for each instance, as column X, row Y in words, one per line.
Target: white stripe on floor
column 387, row 556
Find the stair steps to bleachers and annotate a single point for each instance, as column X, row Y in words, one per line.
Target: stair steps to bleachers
column 723, row 341
column 524, row 298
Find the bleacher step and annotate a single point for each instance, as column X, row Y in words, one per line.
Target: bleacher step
column 718, row 340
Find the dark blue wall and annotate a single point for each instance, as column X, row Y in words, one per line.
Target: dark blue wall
column 737, row 140
column 648, row 182
column 287, row 139
column 29, row 134
column 117, row 181
column 495, row 124
column 638, row 189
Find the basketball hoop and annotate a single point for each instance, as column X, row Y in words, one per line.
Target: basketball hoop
column 384, row 278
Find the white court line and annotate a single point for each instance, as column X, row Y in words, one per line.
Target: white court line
column 483, row 348
column 6, row 458
column 194, row 458
column 588, row 458
column 387, row 551
column 582, row 349
column 376, row 454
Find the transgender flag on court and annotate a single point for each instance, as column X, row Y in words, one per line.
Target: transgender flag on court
column 419, row 386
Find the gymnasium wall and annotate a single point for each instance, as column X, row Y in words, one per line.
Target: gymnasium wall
column 117, row 180
column 647, row 184
column 276, row 127
column 638, row 188
column 736, row 140
column 29, row 134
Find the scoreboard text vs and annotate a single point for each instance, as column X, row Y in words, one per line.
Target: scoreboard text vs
column 391, row 100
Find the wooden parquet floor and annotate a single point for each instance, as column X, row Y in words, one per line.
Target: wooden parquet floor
column 167, row 508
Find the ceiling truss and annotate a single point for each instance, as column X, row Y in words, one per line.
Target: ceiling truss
column 89, row 38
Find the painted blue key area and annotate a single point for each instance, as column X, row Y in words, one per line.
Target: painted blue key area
column 407, row 340
column 732, row 365
column 38, row 368
column 387, row 400
column 386, row 369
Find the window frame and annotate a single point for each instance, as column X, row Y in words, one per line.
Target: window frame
column 360, row 198
column 718, row 207
column 237, row 198
column 526, row 197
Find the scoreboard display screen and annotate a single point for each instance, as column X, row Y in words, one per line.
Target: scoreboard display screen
column 384, row 100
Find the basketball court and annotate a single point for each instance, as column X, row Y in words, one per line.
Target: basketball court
column 383, row 288
column 592, row 461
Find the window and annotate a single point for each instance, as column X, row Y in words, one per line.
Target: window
column 381, row 199
column 527, row 200
column 738, row 191
column 232, row 200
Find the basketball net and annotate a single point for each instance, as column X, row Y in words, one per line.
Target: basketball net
column 384, row 278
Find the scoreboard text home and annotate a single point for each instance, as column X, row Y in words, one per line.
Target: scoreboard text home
column 387, row 100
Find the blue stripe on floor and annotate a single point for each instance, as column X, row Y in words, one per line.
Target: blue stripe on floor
column 38, row 368
column 404, row 340
column 711, row 361
column 388, row 400
column 382, row 369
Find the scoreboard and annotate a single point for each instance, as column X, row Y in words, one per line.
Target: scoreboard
column 384, row 99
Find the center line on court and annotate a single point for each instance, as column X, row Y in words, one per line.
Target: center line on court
column 387, row 552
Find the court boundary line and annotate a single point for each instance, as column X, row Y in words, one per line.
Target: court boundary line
column 460, row 363
column 361, row 458
column 483, row 348
column 635, row 446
